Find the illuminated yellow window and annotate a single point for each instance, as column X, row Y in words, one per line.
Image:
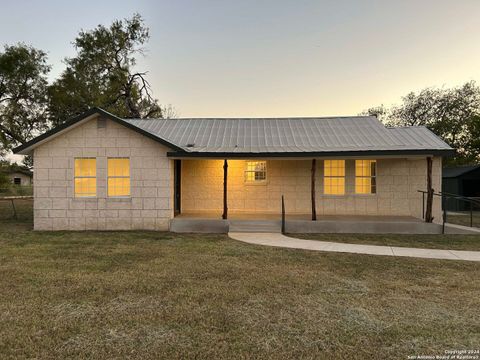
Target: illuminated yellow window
column 85, row 177
column 365, row 176
column 256, row 171
column 334, row 177
column 118, row 177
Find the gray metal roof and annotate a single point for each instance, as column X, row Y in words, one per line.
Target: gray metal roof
column 289, row 135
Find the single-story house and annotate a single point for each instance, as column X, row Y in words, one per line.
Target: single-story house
column 463, row 181
column 100, row 172
column 18, row 175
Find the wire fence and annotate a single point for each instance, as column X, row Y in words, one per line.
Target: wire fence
column 468, row 213
column 465, row 218
column 16, row 204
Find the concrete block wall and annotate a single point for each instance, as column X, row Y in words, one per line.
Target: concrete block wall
column 150, row 205
column 397, row 183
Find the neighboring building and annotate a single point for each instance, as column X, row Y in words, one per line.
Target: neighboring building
column 98, row 171
column 18, row 176
column 463, row 181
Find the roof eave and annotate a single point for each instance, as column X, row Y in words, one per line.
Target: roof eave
column 26, row 148
column 257, row 155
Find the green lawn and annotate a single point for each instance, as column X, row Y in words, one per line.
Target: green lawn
column 156, row 295
column 453, row 242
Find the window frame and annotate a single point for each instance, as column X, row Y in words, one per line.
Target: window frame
column 246, row 171
column 75, row 177
column 15, row 182
column 373, row 178
column 120, row 177
column 344, row 177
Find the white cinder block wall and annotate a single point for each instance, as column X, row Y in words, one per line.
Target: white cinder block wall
column 397, row 183
column 150, row 205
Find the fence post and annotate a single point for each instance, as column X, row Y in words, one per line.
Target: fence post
column 14, row 210
column 283, row 215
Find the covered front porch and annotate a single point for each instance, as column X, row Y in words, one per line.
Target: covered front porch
column 320, row 195
column 318, row 189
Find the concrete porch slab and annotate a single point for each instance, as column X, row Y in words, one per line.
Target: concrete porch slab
column 207, row 226
column 363, row 225
column 211, row 222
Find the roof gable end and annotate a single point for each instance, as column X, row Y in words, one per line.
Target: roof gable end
column 32, row 144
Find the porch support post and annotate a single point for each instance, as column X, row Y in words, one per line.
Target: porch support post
column 225, row 173
column 314, row 208
column 428, row 211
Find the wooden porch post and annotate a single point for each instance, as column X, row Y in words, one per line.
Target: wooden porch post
column 314, row 208
column 428, row 211
column 225, row 207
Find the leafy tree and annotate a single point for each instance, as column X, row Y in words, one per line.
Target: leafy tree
column 453, row 114
column 4, row 179
column 471, row 150
column 380, row 112
column 23, row 83
column 101, row 74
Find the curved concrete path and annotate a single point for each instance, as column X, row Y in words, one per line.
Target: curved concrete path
column 279, row 240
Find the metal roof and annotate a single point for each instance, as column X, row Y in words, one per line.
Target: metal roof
column 289, row 135
column 256, row 137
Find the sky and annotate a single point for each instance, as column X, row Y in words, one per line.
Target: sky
column 269, row 58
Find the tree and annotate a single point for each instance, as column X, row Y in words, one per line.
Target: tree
column 453, row 114
column 4, row 179
column 380, row 112
column 23, row 83
column 471, row 149
column 101, row 74
column 417, row 109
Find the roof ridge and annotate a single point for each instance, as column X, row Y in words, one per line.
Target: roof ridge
column 262, row 118
column 406, row 127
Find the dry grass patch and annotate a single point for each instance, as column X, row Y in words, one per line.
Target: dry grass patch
column 463, row 218
column 153, row 295
column 452, row 242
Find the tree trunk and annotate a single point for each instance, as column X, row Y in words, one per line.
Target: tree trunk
column 428, row 211
column 314, row 207
column 225, row 207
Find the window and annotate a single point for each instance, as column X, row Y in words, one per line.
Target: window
column 118, row 177
column 365, row 176
column 256, row 171
column 334, row 177
column 17, row 181
column 85, row 177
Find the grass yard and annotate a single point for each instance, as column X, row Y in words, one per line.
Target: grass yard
column 23, row 209
column 463, row 218
column 453, row 242
column 153, row 295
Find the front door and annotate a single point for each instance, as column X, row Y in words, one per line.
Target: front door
column 177, row 175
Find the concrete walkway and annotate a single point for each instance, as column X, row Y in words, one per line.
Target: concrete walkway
column 279, row 240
